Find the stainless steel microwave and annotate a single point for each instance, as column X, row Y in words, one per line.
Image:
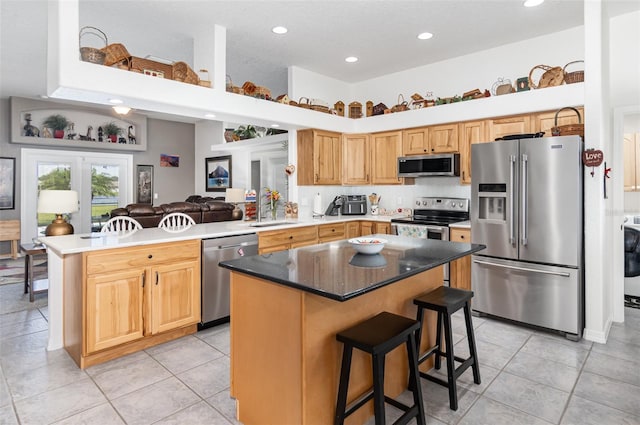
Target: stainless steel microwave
column 429, row 165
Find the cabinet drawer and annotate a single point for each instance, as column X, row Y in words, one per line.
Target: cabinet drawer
column 124, row 258
column 460, row 235
column 331, row 231
column 287, row 236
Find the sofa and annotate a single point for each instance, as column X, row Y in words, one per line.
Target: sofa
column 203, row 209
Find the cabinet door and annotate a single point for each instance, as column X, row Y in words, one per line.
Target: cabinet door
column 352, row 229
column 274, row 248
column 470, row 133
column 386, row 148
column 379, row 227
column 443, row 138
column 175, row 295
column 501, row 127
column 415, row 141
column 356, row 164
column 114, row 309
column 330, row 232
column 545, row 121
column 460, row 270
column 366, row 228
column 327, row 158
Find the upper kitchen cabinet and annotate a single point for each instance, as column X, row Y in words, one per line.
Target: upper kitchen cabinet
column 415, row 141
column 319, row 158
column 500, row 127
column 356, row 159
column 545, row 121
column 443, row 138
column 385, row 150
column 631, row 162
column 471, row 132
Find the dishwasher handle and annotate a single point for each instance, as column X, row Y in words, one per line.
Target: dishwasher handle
column 239, row 245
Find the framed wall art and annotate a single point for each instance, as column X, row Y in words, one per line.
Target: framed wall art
column 144, row 185
column 218, row 173
column 7, row 183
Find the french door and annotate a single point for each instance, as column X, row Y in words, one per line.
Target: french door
column 103, row 182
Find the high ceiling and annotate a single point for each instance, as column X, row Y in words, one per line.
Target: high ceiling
column 382, row 34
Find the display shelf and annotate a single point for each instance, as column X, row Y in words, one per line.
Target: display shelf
column 86, row 116
column 254, row 145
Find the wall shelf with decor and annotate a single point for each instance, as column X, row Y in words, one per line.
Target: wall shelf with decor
column 80, row 125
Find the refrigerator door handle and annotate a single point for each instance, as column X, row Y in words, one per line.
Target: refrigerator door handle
column 512, row 212
column 525, row 163
column 524, row 269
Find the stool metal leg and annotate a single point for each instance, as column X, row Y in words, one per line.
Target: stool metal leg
column 438, row 342
column 414, row 375
column 345, row 371
column 451, row 367
column 26, row 274
column 472, row 344
column 378, row 388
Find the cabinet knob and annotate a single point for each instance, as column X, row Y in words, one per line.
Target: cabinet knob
column 291, row 237
column 461, row 236
column 150, row 256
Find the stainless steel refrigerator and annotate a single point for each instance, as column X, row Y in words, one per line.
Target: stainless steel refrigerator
column 527, row 209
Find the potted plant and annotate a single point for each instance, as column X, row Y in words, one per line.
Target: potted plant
column 57, row 123
column 112, row 131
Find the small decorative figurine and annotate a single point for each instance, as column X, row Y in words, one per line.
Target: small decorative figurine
column 131, row 135
column 30, row 130
column 369, row 108
column 339, row 108
column 100, row 135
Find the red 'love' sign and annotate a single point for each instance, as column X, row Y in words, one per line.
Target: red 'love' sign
column 592, row 157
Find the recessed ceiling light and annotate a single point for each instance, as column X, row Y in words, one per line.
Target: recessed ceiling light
column 121, row 110
column 425, row 35
column 533, row 3
column 115, row 101
column 210, row 115
column 351, row 59
column 275, row 125
column 279, row 30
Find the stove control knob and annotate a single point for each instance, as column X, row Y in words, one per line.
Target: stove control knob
column 425, row 203
column 418, row 203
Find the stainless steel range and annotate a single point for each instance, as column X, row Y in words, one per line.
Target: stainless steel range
column 431, row 219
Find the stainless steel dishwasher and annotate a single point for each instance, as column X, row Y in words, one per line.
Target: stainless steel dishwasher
column 215, row 279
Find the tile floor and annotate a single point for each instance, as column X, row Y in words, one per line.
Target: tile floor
column 528, row 377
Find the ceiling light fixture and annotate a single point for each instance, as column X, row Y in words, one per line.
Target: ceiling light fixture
column 533, row 3
column 425, row 35
column 116, row 101
column 121, row 110
column 209, row 115
column 351, row 59
column 279, row 30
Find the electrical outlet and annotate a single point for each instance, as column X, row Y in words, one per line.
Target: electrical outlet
column 399, row 200
column 155, row 196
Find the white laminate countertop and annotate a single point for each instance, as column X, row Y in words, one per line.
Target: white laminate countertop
column 461, row 225
column 72, row 244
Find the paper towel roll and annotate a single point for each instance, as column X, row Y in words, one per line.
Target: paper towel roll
column 317, row 204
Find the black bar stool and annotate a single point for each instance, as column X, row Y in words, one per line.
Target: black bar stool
column 446, row 301
column 378, row 336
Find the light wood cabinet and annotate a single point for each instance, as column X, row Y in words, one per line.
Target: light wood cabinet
column 443, row 138
column 545, row 121
column 460, row 270
column 278, row 240
column 471, row 132
column 319, row 157
column 132, row 298
column 415, row 141
column 356, row 159
column 372, row 227
column 385, row 150
column 632, row 162
column 500, row 127
column 352, row 229
column 331, row 232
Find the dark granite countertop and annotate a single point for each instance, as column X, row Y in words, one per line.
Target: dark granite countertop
column 334, row 269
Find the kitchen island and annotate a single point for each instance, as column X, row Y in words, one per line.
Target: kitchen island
column 287, row 307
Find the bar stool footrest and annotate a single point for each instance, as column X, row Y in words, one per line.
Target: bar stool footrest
column 359, row 402
column 435, row 379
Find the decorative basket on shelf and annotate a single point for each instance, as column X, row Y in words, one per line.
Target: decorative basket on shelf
column 183, row 73
column 231, row 88
column 304, row 103
column 92, row 54
column 205, row 81
column 552, row 76
column 502, row 86
column 401, row 106
column 115, row 53
column 568, row 129
column 573, row 76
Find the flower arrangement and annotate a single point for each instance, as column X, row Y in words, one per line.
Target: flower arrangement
column 272, row 197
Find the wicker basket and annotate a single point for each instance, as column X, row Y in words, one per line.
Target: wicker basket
column 401, row 106
column 150, row 67
column 231, row 88
column 574, row 76
column 183, row 73
column 91, row 54
column 568, row 129
column 262, row 92
column 552, row 76
column 115, row 53
column 304, row 103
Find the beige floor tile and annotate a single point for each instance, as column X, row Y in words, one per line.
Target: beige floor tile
column 103, row 414
column 209, row 378
column 191, row 353
column 199, row 413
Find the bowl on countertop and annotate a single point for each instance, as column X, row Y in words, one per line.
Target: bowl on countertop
column 368, row 245
column 368, row 260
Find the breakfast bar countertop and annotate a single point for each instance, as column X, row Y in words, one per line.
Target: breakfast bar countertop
column 335, row 270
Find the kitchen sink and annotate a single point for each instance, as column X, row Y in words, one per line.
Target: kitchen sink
column 271, row 223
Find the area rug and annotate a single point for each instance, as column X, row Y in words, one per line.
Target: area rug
column 12, row 271
column 631, row 301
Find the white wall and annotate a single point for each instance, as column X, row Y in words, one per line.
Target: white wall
column 303, row 83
